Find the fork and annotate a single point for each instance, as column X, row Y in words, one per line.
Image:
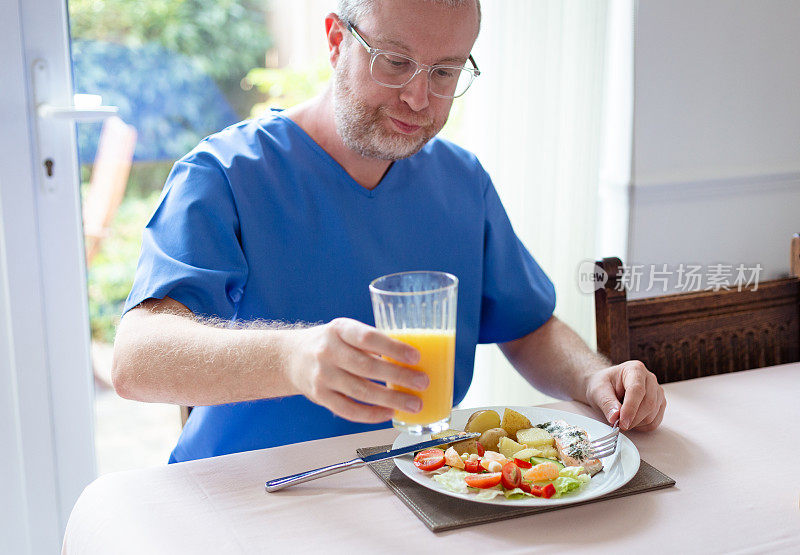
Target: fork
column 607, row 445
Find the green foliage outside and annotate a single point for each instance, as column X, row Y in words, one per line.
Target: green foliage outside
column 225, row 37
column 287, row 87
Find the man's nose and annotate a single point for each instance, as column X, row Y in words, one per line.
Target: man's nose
column 415, row 92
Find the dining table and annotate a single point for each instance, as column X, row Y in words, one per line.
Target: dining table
column 730, row 441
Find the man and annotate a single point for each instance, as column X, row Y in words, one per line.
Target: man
column 281, row 222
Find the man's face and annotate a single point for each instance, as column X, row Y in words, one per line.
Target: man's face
column 386, row 123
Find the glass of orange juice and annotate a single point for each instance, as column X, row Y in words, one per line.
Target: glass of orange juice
column 419, row 308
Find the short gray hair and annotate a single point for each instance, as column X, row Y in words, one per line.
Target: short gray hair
column 355, row 10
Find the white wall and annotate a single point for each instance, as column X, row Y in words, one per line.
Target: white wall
column 716, row 133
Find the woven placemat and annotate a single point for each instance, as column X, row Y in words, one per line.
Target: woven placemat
column 441, row 512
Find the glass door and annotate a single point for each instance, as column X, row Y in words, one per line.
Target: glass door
column 178, row 70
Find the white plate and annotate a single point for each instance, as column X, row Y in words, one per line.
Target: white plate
column 617, row 471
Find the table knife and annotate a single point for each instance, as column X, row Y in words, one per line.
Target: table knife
column 286, row 481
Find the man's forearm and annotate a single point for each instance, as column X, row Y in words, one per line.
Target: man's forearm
column 555, row 360
column 163, row 354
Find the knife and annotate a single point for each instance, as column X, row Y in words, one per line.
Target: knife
column 286, row 481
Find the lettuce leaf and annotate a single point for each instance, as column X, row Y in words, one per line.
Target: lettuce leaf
column 453, row 480
column 572, row 471
column 489, row 493
column 566, row 484
column 516, row 493
column 571, row 479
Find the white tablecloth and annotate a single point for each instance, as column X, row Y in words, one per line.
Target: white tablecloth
column 732, row 443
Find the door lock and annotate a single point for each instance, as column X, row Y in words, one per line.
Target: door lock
column 50, row 118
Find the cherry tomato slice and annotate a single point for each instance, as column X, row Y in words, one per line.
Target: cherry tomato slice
column 428, row 452
column 481, row 450
column 429, row 459
column 511, row 476
column 522, row 464
column 548, row 491
column 473, row 466
column 483, row 481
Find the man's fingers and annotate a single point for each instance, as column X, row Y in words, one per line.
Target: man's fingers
column 606, row 400
column 650, row 404
column 635, row 390
column 367, row 338
column 358, row 338
column 373, row 368
column 659, row 416
column 370, row 392
column 643, row 401
column 353, row 411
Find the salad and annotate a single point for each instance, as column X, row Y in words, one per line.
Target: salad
column 512, row 458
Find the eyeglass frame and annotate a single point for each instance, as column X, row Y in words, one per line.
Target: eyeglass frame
column 375, row 52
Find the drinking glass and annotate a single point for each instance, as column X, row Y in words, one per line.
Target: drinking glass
column 419, row 308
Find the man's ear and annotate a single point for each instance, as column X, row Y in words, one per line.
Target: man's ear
column 335, row 34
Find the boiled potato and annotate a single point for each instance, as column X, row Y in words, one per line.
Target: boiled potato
column 527, row 453
column 490, row 437
column 508, row 447
column 481, row 421
column 468, row 446
column 513, row 421
column 446, row 433
column 535, row 437
column 548, row 452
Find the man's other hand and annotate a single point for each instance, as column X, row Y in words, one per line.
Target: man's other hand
column 334, row 365
column 630, row 393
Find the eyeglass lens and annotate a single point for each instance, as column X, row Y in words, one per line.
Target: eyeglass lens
column 396, row 71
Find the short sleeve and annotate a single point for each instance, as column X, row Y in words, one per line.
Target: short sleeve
column 191, row 248
column 517, row 297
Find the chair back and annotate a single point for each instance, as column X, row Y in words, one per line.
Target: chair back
column 689, row 335
column 112, row 165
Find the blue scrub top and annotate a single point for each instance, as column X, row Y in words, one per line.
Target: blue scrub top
column 259, row 222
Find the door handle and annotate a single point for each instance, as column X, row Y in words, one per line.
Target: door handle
column 76, row 113
column 86, row 107
column 49, row 115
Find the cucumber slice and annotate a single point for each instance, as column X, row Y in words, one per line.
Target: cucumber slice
column 539, row 460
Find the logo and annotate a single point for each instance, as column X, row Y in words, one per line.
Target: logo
column 591, row 277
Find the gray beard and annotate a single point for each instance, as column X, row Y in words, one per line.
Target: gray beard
column 361, row 127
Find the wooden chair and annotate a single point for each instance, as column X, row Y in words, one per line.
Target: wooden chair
column 112, row 165
column 689, row 335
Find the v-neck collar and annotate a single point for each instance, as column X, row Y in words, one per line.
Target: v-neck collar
column 387, row 182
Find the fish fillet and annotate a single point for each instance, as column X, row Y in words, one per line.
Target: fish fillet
column 573, row 445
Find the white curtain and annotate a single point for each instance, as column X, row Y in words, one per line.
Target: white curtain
column 544, row 119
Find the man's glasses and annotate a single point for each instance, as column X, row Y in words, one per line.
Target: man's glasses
column 394, row 70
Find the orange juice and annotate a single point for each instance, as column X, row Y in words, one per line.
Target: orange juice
column 437, row 358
